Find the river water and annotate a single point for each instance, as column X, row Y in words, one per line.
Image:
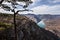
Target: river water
column 41, row 24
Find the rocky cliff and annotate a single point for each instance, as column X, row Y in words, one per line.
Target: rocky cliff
column 53, row 26
column 26, row 29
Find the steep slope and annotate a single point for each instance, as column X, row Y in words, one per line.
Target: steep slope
column 33, row 17
column 53, row 26
column 26, row 29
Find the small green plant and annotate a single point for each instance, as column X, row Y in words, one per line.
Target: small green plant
column 6, row 25
column 2, row 28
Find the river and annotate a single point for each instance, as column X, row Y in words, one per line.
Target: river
column 41, row 24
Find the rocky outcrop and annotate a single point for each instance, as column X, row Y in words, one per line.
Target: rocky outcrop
column 26, row 30
column 53, row 26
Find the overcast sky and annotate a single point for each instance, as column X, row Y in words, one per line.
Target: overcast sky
column 44, row 7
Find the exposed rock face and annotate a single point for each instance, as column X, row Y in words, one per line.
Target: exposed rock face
column 26, row 30
column 33, row 17
column 53, row 26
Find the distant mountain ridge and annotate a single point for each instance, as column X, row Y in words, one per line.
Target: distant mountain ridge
column 38, row 18
column 32, row 16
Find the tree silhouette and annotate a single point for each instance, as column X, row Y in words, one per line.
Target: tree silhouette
column 13, row 3
column 1, row 1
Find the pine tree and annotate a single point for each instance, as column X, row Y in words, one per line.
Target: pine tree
column 8, row 8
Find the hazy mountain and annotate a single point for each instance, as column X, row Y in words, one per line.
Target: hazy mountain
column 38, row 18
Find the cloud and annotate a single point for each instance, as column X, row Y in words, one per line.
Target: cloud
column 33, row 0
column 44, row 9
column 57, row 0
column 3, row 11
column 34, row 4
column 54, row 1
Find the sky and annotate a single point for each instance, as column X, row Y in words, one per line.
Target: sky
column 43, row 7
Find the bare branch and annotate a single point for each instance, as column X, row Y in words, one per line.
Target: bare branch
column 27, row 4
column 1, row 1
column 22, row 10
column 23, row 0
column 13, row 2
column 5, row 7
